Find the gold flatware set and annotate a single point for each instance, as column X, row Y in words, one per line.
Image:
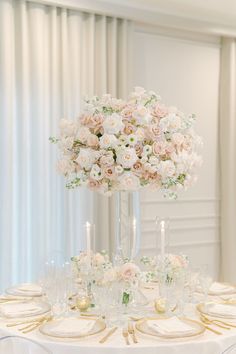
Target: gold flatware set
column 31, row 325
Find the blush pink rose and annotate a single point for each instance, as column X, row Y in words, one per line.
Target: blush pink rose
column 92, row 140
column 160, row 111
column 93, row 184
column 129, row 271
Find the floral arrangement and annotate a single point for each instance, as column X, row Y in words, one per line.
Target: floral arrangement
column 85, row 262
column 172, row 266
column 125, row 145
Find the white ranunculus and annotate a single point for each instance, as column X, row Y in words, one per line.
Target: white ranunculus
column 86, row 158
column 126, row 157
column 113, row 124
column 83, row 134
column 67, row 128
column 107, row 141
column 142, row 115
column 147, row 150
column 96, row 172
column 166, row 169
column 128, row 181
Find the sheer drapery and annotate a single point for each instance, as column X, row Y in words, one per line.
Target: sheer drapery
column 228, row 160
column 49, row 59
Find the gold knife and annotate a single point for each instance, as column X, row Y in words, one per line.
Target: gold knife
column 103, row 340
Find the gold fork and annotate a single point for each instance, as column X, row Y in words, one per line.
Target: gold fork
column 207, row 321
column 220, row 321
column 34, row 325
column 25, row 322
column 126, row 336
column 132, row 332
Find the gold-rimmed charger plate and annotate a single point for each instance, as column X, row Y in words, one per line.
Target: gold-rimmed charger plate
column 51, row 328
column 208, row 309
column 143, row 327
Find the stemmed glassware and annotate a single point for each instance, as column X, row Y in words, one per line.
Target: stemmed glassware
column 57, row 284
column 205, row 281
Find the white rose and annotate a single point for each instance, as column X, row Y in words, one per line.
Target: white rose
column 153, row 160
column 170, row 123
column 113, row 124
column 126, row 157
column 142, row 115
column 96, row 173
column 86, row 158
column 67, row 127
column 166, row 169
column 65, row 167
column 66, row 143
column 119, row 169
column 107, row 158
column 107, row 141
column 149, row 168
column 129, row 181
column 83, row 134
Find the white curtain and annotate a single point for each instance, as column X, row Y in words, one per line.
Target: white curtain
column 228, row 158
column 49, row 59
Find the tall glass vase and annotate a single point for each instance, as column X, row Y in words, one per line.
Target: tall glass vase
column 127, row 225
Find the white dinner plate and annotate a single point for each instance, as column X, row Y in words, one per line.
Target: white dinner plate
column 25, row 289
column 71, row 327
column 19, row 309
column 217, row 309
column 196, row 328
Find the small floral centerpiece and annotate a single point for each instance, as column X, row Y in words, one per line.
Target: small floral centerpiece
column 91, row 265
column 126, row 276
column 118, row 145
column 171, row 267
column 150, row 266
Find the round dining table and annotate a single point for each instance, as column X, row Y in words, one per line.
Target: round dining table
column 206, row 343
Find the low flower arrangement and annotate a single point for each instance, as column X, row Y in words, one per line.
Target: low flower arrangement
column 172, row 267
column 126, row 145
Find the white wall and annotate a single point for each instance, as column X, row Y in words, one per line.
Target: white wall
column 186, row 74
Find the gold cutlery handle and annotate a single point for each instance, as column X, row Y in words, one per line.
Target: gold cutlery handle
column 103, row 340
column 212, row 330
column 135, row 340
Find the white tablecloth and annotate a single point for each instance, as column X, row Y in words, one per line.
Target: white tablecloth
column 208, row 343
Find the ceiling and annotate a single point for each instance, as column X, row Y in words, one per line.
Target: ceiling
column 215, row 11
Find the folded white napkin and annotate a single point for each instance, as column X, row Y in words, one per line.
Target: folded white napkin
column 221, row 309
column 28, row 287
column 170, row 326
column 221, row 288
column 72, row 326
column 19, row 309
